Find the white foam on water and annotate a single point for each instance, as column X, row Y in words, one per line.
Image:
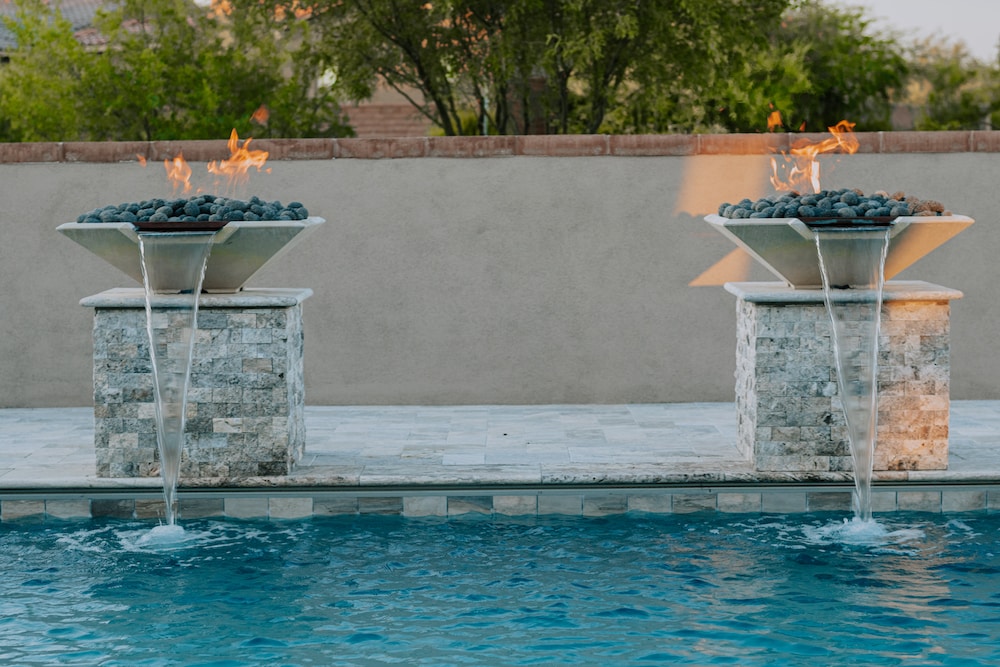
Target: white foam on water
column 163, row 535
column 91, row 541
column 859, row 532
column 168, row 538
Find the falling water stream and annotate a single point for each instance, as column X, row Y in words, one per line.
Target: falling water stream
column 855, row 316
column 172, row 262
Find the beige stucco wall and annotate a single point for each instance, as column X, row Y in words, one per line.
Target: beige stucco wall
column 506, row 279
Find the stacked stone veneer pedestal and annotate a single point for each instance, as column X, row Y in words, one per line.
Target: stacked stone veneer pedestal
column 245, row 409
column 789, row 413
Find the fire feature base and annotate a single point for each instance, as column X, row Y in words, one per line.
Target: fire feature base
column 246, row 400
column 789, row 414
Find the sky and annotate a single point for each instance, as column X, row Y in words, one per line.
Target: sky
column 976, row 22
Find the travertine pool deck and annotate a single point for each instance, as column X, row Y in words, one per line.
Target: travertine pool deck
column 423, row 460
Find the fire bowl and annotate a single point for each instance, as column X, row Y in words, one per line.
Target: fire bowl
column 239, row 250
column 787, row 247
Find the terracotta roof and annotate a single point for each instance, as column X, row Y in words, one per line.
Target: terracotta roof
column 80, row 13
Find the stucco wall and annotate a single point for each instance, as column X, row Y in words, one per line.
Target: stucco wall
column 499, row 270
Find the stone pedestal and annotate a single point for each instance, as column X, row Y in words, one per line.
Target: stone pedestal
column 790, row 417
column 245, row 408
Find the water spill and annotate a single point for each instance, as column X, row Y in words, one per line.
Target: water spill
column 855, row 311
column 172, row 262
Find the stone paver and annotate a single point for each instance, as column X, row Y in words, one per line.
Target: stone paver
column 375, row 446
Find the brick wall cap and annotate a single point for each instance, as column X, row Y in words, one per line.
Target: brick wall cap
column 584, row 145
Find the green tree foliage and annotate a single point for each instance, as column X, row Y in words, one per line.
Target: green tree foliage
column 536, row 65
column 853, row 70
column 820, row 64
column 953, row 90
column 40, row 86
column 168, row 70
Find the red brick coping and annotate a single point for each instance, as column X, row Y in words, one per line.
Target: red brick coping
column 585, row 145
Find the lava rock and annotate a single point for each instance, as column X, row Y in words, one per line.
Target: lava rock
column 201, row 208
column 844, row 204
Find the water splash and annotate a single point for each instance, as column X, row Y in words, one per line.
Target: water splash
column 172, row 261
column 861, row 532
column 855, row 316
column 163, row 536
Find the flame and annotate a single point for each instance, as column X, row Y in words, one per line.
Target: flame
column 142, row 159
column 178, row 173
column 261, row 115
column 773, row 120
column 236, row 168
column 801, row 165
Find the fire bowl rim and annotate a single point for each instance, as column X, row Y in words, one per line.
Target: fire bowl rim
column 240, row 249
column 786, row 246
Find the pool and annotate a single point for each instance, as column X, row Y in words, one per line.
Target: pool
column 702, row 589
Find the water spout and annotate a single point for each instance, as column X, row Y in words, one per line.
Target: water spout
column 171, row 328
column 855, row 316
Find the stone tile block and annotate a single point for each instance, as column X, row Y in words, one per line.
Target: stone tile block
column 963, row 501
column 654, row 503
column 515, row 505
column 246, row 401
column 739, row 502
column 150, row 509
column 77, row 508
column 599, row 504
column 685, row 503
column 883, row 501
column 112, row 509
column 289, row 507
column 425, row 506
column 789, row 412
column 380, row 505
column 918, row 501
column 13, row 510
column 335, row 505
column 246, row 507
column 783, row 502
column 470, row 504
column 570, row 504
column 200, row 508
column 829, row 501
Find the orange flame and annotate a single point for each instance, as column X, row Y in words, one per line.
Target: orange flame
column 801, row 166
column 261, row 115
column 236, row 168
column 773, row 120
column 178, row 173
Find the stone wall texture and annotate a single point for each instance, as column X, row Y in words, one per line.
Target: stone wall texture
column 790, row 416
column 245, row 402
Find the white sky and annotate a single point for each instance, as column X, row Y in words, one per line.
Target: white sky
column 976, row 22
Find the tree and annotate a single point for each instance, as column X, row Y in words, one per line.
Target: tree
column 535, row 65
column 853, row 71
column 444, row 57
column 953, row 90
column 820, row 64
column 167, row 70
column 40, row 86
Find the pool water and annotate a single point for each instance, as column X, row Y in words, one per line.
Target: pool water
column 624, row 590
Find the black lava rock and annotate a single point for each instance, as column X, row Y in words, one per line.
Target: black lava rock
column 846, row 204
column 196, row 209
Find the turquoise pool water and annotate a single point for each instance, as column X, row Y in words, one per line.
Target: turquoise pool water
column 624, row 590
